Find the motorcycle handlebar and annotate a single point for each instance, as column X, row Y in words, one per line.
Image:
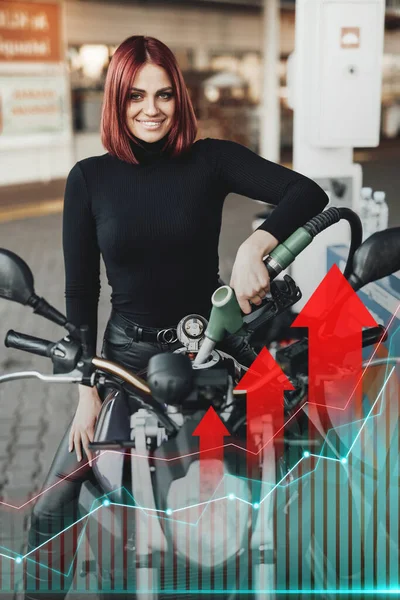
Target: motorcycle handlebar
column 28, row 343
column 42, row 347
column 373, row 335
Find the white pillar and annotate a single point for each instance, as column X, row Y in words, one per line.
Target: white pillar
column 270, row 115
column 201, row 58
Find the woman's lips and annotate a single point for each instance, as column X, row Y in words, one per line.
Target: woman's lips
column 150, row 124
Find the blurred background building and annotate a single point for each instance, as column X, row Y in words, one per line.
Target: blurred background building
column 219, row 46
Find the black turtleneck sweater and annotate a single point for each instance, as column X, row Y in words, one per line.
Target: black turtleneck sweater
column 157, row 226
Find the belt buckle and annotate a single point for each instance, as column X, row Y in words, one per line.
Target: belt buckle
column 168, row 336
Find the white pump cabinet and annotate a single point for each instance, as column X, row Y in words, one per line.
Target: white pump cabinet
column 345, row 66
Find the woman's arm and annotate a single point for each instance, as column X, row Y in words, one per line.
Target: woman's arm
column 296, row 197
column 82, row 290
column 81, row 255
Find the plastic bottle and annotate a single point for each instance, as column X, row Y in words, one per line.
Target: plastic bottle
column 382, row 217
column 373, row 216
column 365, row 210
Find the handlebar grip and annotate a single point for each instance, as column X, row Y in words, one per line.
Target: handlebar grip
column 28, row 343
column 373, row 335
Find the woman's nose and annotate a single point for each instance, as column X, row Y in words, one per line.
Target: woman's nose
column 151, row 107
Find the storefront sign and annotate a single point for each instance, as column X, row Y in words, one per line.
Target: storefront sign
column 32, row 105
column 30, row 32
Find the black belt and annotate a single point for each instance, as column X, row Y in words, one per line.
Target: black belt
column 144, row 334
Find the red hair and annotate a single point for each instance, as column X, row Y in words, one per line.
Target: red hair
column 130, row 56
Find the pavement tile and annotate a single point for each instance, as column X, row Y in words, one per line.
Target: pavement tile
column 8, row 408
column 30, row 419
column 18, row 495
column 20, row 478
column 27, row 438
column 25, row 460
column 6, row 424
column 5, row 444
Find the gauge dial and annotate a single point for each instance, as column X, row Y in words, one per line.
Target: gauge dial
column 193, row 327
column 190, row 331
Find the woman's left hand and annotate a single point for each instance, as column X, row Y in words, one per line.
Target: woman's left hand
column 250, row 278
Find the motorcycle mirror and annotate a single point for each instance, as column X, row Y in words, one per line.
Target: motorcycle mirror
column 377, row 257
column 16, row 279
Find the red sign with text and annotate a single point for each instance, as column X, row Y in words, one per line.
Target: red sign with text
column 30, row 32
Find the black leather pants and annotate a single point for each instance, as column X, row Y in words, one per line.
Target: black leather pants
column 57, row 509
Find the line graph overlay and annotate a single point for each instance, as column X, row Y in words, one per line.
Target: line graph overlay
column 361, row 424
column 167, row 515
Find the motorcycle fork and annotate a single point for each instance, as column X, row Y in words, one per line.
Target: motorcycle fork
column 149, row 535
column 262, row 541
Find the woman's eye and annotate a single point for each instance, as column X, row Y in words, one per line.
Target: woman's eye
column 163, row 96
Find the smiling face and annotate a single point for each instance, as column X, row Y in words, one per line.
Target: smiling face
column 151, row 105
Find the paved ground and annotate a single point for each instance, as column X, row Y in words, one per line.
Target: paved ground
column 33, row 416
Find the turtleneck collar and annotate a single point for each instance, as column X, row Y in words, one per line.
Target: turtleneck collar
column 148, row 152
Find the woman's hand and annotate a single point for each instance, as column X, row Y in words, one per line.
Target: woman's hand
column 250, row 278
column 82, row 429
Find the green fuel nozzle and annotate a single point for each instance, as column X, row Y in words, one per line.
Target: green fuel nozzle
column 285, row 253
column 225, row 316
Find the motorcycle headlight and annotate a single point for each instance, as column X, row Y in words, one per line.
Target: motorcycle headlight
column 209, row 524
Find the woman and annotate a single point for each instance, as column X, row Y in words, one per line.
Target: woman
column 152, row 208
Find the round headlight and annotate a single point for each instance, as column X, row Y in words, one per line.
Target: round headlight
column 209, row 524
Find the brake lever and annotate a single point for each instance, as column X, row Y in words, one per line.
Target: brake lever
column 74, row 376
column 284, row 294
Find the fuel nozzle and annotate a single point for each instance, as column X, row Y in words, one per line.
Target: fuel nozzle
column 284, row 254
column 225, row 316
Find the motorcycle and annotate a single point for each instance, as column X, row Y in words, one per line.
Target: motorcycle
column 180, row 527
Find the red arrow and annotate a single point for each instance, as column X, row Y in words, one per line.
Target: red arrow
column 335, row 317
column 264, row 383
column 211, row 432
